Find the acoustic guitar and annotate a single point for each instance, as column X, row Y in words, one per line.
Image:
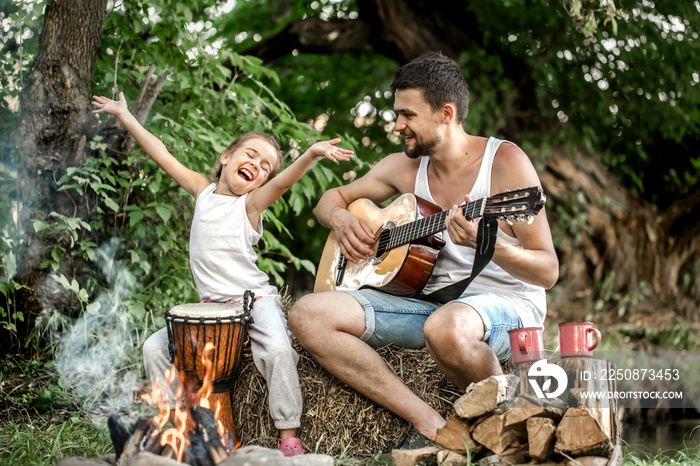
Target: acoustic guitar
column 407, row 241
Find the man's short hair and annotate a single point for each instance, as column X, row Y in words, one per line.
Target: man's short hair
column 439, row 79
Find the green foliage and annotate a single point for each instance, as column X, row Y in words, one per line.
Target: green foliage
column 680, row 336
column 37, row 426
column 10, row 315
column 602, row 90
column 331, row 106
column 638, row 293
column 690, row 278
column 586, row 15
column 132, row 234
column 203, row 107
column 571, row 215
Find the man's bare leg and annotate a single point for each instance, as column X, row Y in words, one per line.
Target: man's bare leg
column 329, row 325
column 453, row 336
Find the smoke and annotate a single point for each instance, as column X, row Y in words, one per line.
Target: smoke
column 96, row 355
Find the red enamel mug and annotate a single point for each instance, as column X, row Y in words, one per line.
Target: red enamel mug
column 526, row 344
column 576, row 339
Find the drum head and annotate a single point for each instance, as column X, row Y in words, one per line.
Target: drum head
column 207, row 311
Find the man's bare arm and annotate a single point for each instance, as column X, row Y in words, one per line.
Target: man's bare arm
column 353, row 233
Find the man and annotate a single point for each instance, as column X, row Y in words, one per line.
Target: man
column 445, row 165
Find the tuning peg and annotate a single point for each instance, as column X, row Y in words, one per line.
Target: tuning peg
column 530, row 219
column 509, row 221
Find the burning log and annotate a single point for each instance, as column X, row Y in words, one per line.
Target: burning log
column 206, row 428
column 133, row 446
column 231, row 442
column 198, row 453
column 198, row 435
column 152, row 441
column 119, row 433
column 168, row 452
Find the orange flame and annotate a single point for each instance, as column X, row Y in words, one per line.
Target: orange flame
column 176, row 436
column 207, row 388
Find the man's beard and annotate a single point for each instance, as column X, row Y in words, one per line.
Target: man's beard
column 421, row 148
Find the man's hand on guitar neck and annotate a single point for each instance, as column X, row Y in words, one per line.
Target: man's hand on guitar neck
column 352, row 234
column 462, row 231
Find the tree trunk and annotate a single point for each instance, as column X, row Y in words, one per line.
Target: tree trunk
column 55, row 125
column 55, row 128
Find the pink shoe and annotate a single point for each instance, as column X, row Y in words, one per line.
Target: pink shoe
column 290, row 446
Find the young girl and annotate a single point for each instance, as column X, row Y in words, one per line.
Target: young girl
column 227, row 224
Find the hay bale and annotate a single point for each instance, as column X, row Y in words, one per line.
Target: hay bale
column 336, row 420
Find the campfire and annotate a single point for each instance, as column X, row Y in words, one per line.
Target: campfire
column 198, row 432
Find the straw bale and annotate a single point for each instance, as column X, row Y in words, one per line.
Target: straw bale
column 336, row 420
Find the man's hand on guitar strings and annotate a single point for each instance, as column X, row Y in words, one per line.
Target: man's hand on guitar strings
column 353, row 235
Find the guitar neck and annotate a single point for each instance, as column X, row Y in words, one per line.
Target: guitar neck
column 426, row 226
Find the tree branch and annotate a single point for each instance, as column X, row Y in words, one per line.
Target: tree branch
column 313, row 35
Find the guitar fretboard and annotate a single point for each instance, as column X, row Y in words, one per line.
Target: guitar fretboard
column 426, row 226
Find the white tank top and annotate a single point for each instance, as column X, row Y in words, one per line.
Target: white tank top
column 222, row 257
column 454, row 262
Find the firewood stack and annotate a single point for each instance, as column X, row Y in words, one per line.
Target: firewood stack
column 495, row 422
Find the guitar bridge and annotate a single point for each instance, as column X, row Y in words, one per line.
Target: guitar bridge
column 340, row 267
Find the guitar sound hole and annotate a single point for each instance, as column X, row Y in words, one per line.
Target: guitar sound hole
column 383, row 244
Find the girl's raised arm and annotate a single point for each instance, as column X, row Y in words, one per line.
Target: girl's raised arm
column 189, row 180
column 267, row 194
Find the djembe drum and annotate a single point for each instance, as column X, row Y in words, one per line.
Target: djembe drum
column 190, row 328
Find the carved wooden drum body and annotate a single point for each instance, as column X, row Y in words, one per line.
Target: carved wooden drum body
column 190, row 328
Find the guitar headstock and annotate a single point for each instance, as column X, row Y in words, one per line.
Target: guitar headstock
column 519, row 205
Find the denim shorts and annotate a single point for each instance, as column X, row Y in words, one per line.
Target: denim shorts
column 397, row 320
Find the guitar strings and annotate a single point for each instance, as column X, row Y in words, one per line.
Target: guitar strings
column 426, row 226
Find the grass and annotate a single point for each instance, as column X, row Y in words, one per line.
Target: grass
column 38, row 424
column 688, row 456
column 45, row 441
